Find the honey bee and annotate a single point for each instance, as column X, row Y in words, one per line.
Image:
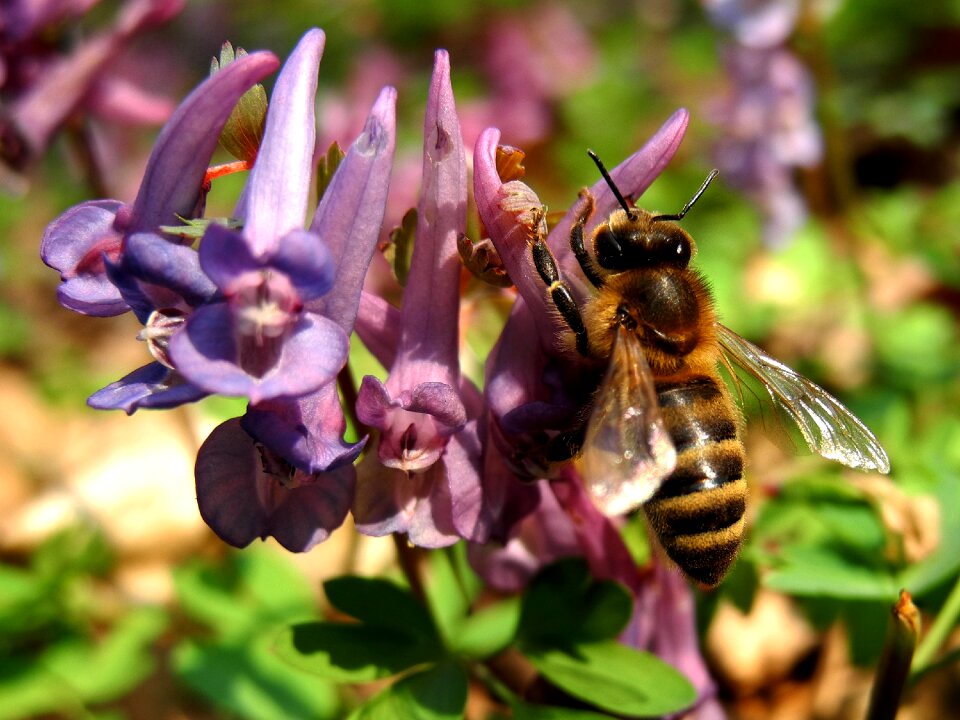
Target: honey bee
column 663, row 431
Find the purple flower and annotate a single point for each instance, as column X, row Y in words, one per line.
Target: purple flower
column 769, row 131
column 259, row 341
column 308, row 430
column 419, row 407
column 112, row 257
column 427, row 481
column 246, row 492
column 755, row 23
column 290, row 473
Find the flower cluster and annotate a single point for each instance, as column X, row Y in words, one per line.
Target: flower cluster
column 264, row 306
column 767, row 115
column 41, row 87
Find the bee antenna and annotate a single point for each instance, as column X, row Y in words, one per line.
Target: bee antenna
column 609, row 180
column 686, row 208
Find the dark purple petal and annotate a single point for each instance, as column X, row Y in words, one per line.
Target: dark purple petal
column 241, row 499
column 305, row 259
column 351, row 211
column 183, row 150
column 151, row 386
column 307, row 431
column 206, row 352
column 225, row 255
column 76, row 244
column 276, row 200
column 169, row 266
column 310, row 512
column 231, row 485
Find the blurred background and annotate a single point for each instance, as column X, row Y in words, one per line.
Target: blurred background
column 831, row 238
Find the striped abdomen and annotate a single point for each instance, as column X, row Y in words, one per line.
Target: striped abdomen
column 698, row 511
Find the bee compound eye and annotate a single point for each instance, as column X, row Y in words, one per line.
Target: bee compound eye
column 607, row 248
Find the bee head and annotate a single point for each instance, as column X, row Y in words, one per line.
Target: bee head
column 635, row 238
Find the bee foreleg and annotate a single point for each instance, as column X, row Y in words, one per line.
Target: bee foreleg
column 576, row 241
column 560, row 293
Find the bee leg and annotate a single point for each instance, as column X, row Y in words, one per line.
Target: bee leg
column 576, row 241
column 559, row 291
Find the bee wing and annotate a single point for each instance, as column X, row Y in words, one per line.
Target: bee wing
column 626, row 451
column 828, row 428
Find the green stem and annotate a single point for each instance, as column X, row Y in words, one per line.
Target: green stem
column 938, row 632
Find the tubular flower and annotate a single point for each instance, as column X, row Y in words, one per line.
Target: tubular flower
column 419, row 406
column 284, row 468
column 427, row 481
column 259, row 341
column 112, row 257
column 308, row 430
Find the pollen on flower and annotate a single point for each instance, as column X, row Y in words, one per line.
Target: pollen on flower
column 266, row 308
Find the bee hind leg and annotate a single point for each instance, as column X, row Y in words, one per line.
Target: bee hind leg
column 559, row 291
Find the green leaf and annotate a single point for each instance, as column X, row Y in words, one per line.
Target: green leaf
column 446, row 597
column 525, row 711
column 380, row 603
column 615, row 678
column 488, row 630
column 352, row 653
column 399, row 252
column 564, row 604
column 439, row 693
column 77, row 670
column 815, row 571
column 239, row 597
column 249, row 680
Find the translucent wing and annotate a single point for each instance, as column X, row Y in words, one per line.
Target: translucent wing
column 626, row 452
column 828, row 428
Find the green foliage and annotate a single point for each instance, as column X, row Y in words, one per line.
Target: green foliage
column 61, row 652
column 566, row 606
column 437, row 693
column 243, row 604
column 615, row 678
column 565, row 624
